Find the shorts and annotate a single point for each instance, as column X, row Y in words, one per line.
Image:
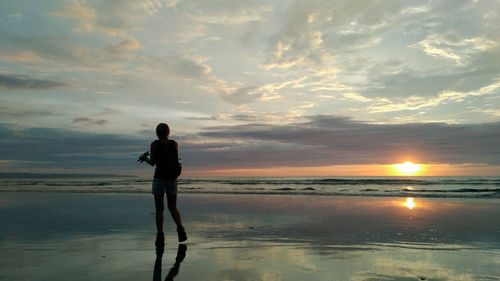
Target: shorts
column 168, row 186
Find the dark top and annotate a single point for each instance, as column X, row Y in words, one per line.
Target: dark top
column 165, row 157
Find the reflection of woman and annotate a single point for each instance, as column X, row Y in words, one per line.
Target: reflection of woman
column 164, row 154
column 181, row 254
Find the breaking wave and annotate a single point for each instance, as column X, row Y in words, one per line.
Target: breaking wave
column 449, row 187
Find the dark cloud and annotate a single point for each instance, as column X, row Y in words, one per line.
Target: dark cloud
column 22, row 111
column 90, row 121
column 327, row 140
column 82, row 119
column 23, row 82
column 204, row 118
column 65, row 149
column 315, row 141
column 246, row 118
column 101, row 121
column 236, row 117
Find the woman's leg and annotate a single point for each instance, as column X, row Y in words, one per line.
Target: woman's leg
column 172, row 207
column 159, row 205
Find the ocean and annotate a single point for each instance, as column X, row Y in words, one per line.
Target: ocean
column 433, row 187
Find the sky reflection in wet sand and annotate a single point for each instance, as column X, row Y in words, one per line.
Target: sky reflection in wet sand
column 260, row 238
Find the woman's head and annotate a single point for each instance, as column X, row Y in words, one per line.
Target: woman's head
column 162, row 131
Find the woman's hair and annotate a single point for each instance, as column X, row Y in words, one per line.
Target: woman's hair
column 162, row 130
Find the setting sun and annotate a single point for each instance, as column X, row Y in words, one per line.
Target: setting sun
column 407, row 168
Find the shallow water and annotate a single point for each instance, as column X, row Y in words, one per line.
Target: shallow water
column 61, row 236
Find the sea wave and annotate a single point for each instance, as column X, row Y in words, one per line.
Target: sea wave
column 343, row 181
column 438, row 187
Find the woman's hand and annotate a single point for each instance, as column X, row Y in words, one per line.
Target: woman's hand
column 143, row 157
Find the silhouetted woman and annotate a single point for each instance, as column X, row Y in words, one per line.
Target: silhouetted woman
column 165, row 155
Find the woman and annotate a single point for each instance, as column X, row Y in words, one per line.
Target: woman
column 164, row 154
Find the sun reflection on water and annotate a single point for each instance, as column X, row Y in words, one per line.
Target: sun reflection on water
column 409, row 203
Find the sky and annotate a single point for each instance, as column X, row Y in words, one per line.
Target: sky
column 251, row 87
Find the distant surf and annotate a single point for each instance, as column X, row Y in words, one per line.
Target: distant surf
column 448, row 187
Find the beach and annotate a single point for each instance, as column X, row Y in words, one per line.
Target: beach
column 110, row 236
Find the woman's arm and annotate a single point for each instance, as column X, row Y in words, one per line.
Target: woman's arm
column 144, row 157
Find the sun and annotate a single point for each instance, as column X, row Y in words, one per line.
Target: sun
column 407, row 168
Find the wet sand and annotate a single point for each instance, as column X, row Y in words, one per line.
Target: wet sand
column 78, row 236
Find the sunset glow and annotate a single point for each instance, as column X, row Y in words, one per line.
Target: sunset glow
column 407, row 169
column 346, row 170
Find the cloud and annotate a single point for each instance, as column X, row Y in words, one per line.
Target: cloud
column 80, row 11
column 184, row 33
column 154, row 6
column 89, row 121
column 66, row 149
column 20, row 56
column 114, row 17
column 177, row 66
column 242, row 95
column 55, row 52
column 268, row 118
column 452, row 46
column 228, row 12
column 124, row 48
column 330, row 140
column 415, row 102
column 228, row 117
column 345, row 44
column 315, row 31
column 408, row 89
column 318, row 40
column 404, row 82
column 23, row 82
column 495, row 112
column 314, row 141
column 356, row 97
column 16, row 111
